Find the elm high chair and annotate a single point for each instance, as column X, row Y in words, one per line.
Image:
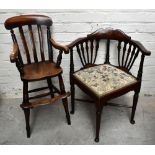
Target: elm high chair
column 37, row 66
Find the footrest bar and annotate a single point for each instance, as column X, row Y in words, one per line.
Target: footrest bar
column 45, row 101
column 39, row 96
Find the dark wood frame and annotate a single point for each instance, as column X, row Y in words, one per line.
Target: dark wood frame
column 29, row 21
column 87, row 60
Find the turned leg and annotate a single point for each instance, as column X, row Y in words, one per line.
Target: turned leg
column 64, row 100
column 26, row 111
column 98, row 120
column 135, row 100
column 49, row 81
column 65, row 104
column 27, row 119
column 72, row 98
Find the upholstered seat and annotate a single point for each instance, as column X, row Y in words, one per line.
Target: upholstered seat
column 104, row 79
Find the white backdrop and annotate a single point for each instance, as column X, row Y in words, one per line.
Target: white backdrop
column 70, row 24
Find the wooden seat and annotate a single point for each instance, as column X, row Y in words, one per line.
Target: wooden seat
column 37, row 65
column 103, row 82
column 40, row 70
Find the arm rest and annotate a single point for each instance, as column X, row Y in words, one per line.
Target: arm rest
column 14, row 53
column 142, row 48
column 75, row 42
column 59, row 47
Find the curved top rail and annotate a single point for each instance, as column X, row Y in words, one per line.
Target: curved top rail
column 111, row 34
column 22, row 20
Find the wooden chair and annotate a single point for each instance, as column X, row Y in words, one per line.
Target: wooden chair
column 37, row 66
column 105, row 81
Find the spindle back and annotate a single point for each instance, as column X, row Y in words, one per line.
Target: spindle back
column 26, row 25
column 87, row 48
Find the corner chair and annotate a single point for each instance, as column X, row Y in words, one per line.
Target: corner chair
column 106, row 81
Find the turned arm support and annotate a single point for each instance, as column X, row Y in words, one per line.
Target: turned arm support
column 59, row 47
column 14, row 53
column 59, row 58
column 141, row 47
column 14, row 58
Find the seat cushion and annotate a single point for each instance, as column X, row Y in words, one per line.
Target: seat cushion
column 104, row 79
column 40, row 70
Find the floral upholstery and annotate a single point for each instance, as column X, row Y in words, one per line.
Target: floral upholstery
column 104, row 79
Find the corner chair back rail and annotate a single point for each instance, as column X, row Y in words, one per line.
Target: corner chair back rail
column 26, row 22
column 127, row 49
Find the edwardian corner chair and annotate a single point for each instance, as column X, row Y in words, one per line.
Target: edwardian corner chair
column 37, row 65
column 106, row 81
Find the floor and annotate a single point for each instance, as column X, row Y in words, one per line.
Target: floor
column 49, row 125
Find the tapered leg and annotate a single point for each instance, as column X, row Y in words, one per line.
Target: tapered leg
column 98, row 120
column 135, row 100
column 65, row 104
column 27, row 119
column 72, row 98
column 64, row 100
column 49, row 81
column 26, row 111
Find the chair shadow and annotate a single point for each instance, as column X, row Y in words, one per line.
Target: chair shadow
column 33, row 118
column 35, row 114
column 1, row 100
column 42, row 111
column 90, row 110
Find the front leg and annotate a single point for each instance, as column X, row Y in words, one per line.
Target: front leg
column 27, row 119
column 135, row 100
column 64, row 100
column 26, row 110
column 98, row 119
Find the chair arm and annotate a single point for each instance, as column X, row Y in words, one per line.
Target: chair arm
column 75, row 42
column 141, row 47
column 14, row 54
column 59, row 47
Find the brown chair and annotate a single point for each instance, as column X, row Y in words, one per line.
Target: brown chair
column 105, row 81
column 37, row 66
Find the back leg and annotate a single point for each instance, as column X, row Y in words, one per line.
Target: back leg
column 72, row 98
column 49, row 82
